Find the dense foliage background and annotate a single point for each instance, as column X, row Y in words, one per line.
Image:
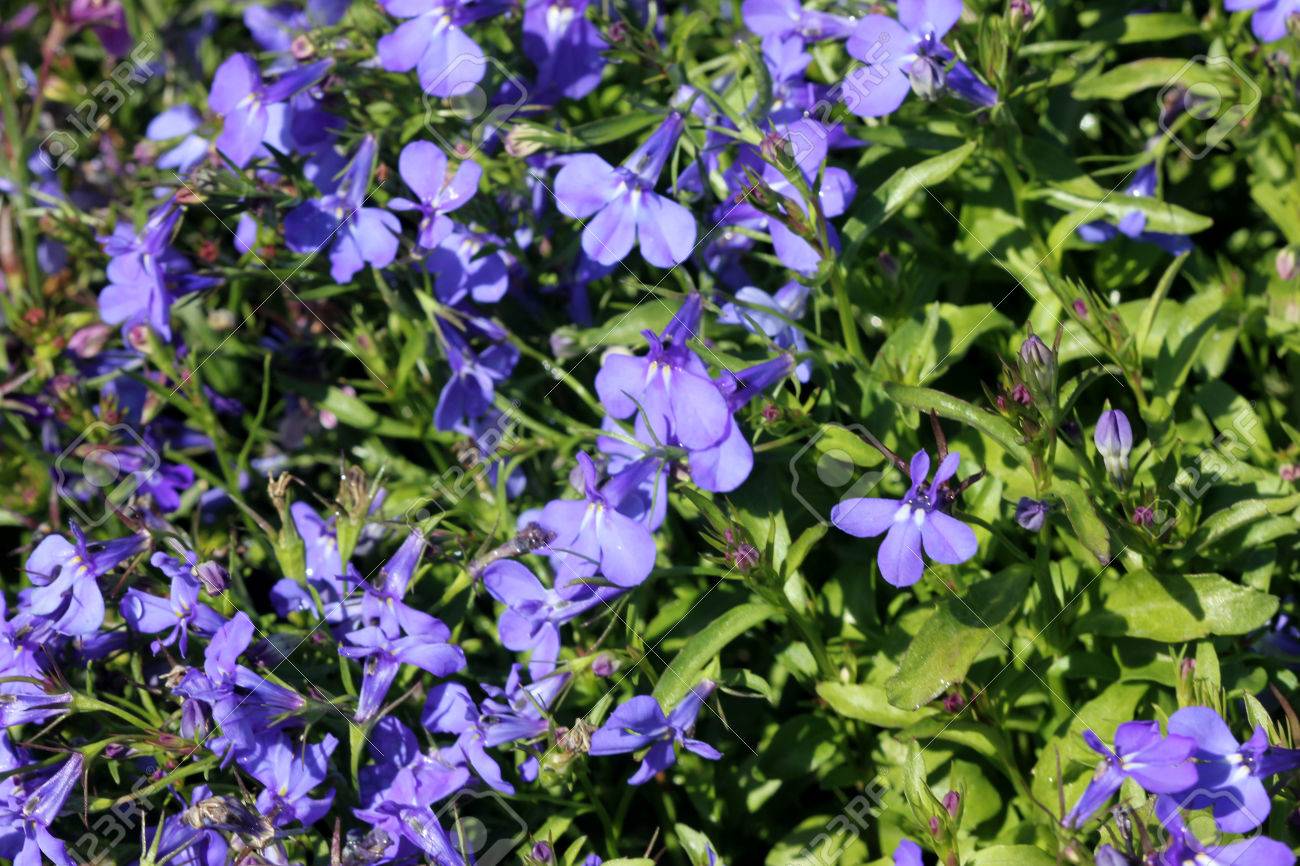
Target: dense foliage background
column 407, row 404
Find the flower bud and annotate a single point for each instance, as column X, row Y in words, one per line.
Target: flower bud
column 1285, row 263
column 213, row 577
column 1038, row 365
column 927, row 77
column 1114, row 440
column 1031, row 514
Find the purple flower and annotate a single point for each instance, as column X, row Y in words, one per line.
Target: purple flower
column 1031, row 514
column 107, row 18
column 915, row 521
column 621, row 205
column 179, row 122
column 467, row 395
column 1133, row 224
column 908, row 853
column 176, row 615
column 423, row 166
column 533, row 613
column 1269, row 23
column 434, row 40
column 1161, row 765
column 1228, row 773
column 25, row 835
column 907, row 54
column 289, row 775
column 591, row 534
column 1114, row 440
column 669, row 385
column 360, row 234
column 145, row 274
column 65, row 579
column 463, row 267
column 386, row 650
column 640, row 722
column 787, row 306
column 565, row 46
column 325, row 572
column 240, row 97
column 784, row 18
column 1185, row 848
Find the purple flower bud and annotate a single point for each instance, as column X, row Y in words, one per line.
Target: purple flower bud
column 744, row 557
column 1143, row 516
column 953, row 703
column 1114, row 440
column 1285, row 263
column 604, row 665
column 952, row 802
column 213, row 577
column 1031, row 514
column 1038, row 364
column 542, row 853
column 1080, row 308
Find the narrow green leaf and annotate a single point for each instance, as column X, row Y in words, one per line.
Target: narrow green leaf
column 682, row 673
column 954, row 409
column 1088, row 526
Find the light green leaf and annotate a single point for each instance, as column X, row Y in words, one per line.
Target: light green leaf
column 1088, row 527
column 1012, row 855
column 682, row 673
column 952, row 638
column 1178, row 607
column 867, row 702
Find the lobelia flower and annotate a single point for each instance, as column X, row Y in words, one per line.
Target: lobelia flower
column 25, row 826
column 1108, row 856
column 65, row 579
column 324, row 571
column 463, row 270
column 274, row 28
column 1031, row 514
column 907, row 54
column 107, row 19
column 423, row 166
column 289, row 775
column 1229, row 774
column 533, row 613
column 565, row 46
column 361, row 235
column 1269, row 23
column 908, row 853
column 1114, row 440
column 784, row 18
column 669, row 385
column 591, row 535
column 621, row 206
column 916, row 521
column 433, row 41
column 179, row 122
column 1133, row 224
column 386, row 650
column 788, row 306
column 467, row 395
column 241, row 98
column 508, row 715
column 640, row 722
column 1184, row 848
column 1161, row 765
column 146, row 275
column 177, row 614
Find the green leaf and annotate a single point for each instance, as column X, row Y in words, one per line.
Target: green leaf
column 697, row 845
column 952, row 638
column 954, row 409
column 867, row 702
column 1161, row 216
column 1240, row 514
column 1178, row 607
column 1151, row 27
column 889, row 198
column 682, row 673
column 354, row 412
column 1123, row 81
column 1012, row 855
column 1088, row 527
column 801, row 746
